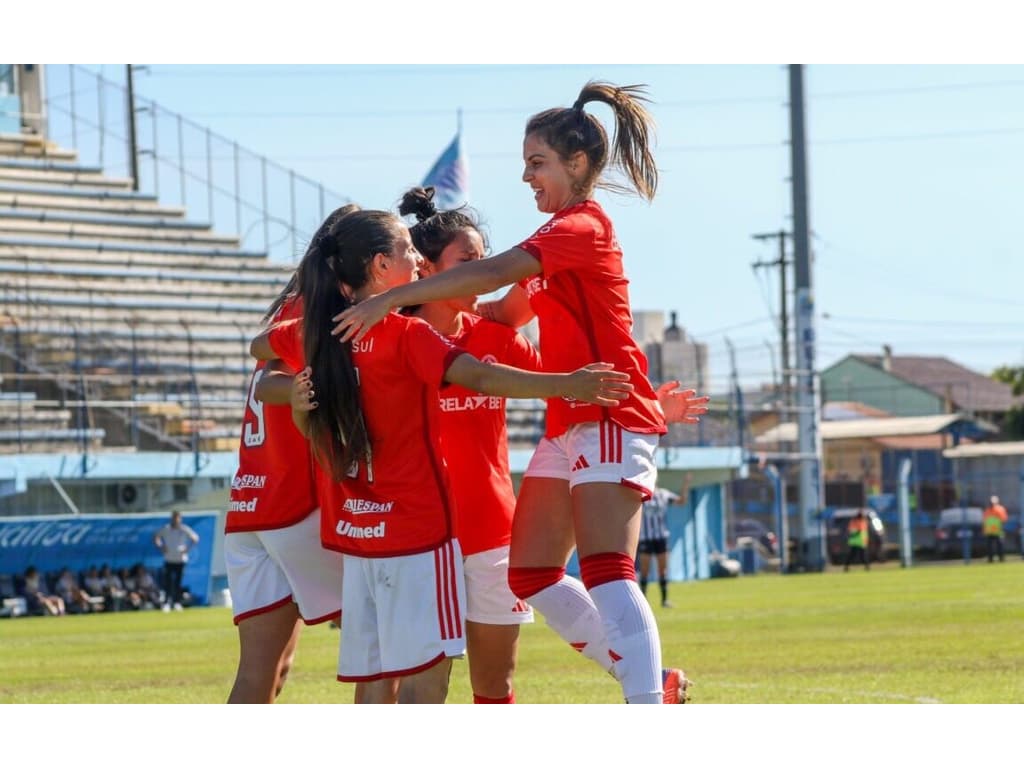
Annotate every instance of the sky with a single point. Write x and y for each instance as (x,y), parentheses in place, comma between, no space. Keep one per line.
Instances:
(915,152)
(915,176)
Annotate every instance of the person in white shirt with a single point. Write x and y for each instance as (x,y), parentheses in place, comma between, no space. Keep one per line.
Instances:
(174,540)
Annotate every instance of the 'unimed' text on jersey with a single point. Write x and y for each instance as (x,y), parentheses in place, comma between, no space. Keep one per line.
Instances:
(399,502)
(582,306)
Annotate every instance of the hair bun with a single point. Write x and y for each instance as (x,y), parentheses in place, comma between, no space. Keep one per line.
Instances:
(420,202)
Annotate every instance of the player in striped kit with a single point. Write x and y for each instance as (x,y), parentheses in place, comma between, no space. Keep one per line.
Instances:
(589,476)
(654,535)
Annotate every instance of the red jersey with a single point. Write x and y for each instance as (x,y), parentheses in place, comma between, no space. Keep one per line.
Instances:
(274,486)
(475,440)
(399,501)
(582,306)
(328,492)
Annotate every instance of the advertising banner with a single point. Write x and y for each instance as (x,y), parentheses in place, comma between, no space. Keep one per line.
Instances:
(51,543)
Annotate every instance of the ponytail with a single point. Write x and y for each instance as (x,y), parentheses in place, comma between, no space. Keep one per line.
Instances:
(341,257)
(291,290)
(573,130)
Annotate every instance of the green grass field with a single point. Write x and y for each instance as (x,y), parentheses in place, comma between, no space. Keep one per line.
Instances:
(949,634)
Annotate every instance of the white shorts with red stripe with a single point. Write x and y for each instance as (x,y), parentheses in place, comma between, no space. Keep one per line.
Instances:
(598,452)
(268,569)
(402,614)
(490,599)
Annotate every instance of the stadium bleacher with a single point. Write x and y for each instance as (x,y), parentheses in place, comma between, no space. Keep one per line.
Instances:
(122,323)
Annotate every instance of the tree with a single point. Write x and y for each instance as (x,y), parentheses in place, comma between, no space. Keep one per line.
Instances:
(1013,422)
(1012,376)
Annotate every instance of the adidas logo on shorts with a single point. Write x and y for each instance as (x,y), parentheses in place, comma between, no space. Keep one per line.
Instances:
(581,463)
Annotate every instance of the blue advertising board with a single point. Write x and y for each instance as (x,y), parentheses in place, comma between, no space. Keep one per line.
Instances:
(51,543)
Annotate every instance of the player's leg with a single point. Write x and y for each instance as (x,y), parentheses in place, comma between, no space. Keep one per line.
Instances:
(662,558)
(493,616)
(264,639)
(542,541)
(645,567)
(492,651)
(607,527)
(427,687)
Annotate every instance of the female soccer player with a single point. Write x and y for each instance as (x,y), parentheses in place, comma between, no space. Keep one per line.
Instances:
(595,466)
(376,427)
(475,443)
(278,573)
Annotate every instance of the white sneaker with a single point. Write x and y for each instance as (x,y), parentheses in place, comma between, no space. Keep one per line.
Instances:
(177,606)
(165,608)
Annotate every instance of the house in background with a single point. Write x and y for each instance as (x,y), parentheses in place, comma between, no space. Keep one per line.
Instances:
(912,385)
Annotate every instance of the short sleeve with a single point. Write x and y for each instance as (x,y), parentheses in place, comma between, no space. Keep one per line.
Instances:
(564,243)
(428,352)
(286,340)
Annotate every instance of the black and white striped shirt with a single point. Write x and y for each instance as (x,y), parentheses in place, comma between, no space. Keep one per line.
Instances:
(653,525)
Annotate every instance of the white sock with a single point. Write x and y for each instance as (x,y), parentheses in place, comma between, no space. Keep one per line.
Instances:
(569,611)
(632,636)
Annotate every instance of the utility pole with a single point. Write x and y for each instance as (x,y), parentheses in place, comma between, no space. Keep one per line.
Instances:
(808,396)
(781,263)
(133,149)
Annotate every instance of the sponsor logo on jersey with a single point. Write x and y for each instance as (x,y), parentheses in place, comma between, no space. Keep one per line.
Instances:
(364,506)
(472,403)
(242,506)
(366,345)
(535,285)
(239,482)
(345,528)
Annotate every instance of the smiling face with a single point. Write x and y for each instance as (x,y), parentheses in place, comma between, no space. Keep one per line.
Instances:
(467,245)
(555,182)
(401,265)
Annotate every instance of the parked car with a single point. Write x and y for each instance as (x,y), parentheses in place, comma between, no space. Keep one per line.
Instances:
(956,524)
(757,531)
(837,530)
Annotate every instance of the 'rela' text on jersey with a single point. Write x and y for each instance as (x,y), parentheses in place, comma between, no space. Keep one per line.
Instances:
(475,439)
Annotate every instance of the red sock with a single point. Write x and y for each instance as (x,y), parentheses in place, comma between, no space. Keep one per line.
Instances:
(526,582)
(510,698)
(603,567)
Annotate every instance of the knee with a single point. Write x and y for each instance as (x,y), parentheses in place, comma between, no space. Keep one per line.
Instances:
(526,582)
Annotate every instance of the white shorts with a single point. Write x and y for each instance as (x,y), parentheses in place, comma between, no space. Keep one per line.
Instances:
(402,614)
(268,569)
(489,598)
(598,452)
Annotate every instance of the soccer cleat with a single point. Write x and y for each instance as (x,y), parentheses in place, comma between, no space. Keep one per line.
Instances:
(676,686)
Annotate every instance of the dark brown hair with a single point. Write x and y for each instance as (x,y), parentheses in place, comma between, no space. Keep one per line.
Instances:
(434,230)
(337,430)
(290,290)
(571,130)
